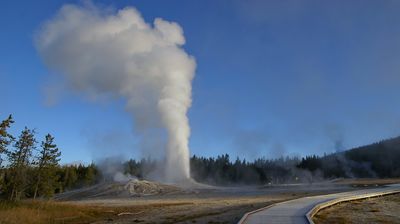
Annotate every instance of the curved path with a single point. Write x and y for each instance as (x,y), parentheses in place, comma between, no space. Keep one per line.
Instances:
(301,210)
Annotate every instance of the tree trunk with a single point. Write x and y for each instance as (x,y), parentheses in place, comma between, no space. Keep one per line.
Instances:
(36,187)
(12,194)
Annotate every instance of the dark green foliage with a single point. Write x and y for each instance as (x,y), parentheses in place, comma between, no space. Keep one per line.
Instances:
(68,178)
(222,171)
(76,176)
(376,160)
(5,138)
(311,163)
(133,168)
(19,160)
(30,175)
(46,163)
(88,174)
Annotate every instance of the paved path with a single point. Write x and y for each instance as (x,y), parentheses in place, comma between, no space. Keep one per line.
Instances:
(295,211)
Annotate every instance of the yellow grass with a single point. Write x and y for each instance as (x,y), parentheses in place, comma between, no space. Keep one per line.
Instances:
(30,212)
(374,210)
(37,212)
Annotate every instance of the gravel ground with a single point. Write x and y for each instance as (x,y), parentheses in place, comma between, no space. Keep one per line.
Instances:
(208,206)
(384,209)
(198,205)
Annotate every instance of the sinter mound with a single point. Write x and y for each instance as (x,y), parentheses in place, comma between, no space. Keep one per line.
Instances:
(144,187)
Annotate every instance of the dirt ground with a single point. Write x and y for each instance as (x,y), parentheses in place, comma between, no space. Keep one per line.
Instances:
(384,209)
(210,210)
(227,209)
(207,206)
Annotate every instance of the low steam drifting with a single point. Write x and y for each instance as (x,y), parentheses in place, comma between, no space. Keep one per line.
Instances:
(102,52)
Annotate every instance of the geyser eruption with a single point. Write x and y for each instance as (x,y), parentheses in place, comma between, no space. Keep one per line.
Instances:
(103,52)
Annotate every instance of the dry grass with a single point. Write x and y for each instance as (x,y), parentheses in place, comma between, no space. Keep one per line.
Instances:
(374,210)
(30,212)
(222,210)
(35,212)
(199,207)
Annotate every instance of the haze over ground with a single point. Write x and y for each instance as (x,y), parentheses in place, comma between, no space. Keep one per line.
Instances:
(272,78)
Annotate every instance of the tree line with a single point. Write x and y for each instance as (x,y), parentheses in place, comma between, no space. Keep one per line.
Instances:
(30,171)
(222,171)
(378,160)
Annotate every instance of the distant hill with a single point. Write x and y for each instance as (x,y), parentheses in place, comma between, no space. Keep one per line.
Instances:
(381,159)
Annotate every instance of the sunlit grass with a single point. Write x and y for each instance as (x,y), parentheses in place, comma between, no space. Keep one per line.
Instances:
(40,211)
(30,212)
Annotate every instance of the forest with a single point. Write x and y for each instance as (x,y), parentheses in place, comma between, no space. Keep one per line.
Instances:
(30,170)
(378,160)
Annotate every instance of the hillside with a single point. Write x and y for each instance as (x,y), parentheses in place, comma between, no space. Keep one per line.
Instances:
(381,159)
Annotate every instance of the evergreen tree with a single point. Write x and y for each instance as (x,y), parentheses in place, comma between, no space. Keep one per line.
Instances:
(47,162)
(69,177)
(5,138)
(90,175)
(19,161)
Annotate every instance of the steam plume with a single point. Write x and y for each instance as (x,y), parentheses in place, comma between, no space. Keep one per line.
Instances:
(102,52)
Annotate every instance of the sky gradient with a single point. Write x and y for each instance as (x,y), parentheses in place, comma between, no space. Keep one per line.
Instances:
(273,78)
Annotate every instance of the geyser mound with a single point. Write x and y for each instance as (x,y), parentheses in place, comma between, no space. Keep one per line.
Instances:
(144,187)
(100,52)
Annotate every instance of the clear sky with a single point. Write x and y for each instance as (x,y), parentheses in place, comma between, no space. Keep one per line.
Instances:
(273,78)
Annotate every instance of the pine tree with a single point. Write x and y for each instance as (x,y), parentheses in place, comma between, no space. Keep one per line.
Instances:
(70,178)
(5,138)
(90,175)
(47,162)
(19,161)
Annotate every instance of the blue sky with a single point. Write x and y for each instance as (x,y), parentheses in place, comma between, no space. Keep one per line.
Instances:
(273,78)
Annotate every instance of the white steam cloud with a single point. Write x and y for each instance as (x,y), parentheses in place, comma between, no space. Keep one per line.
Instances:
(103,52)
